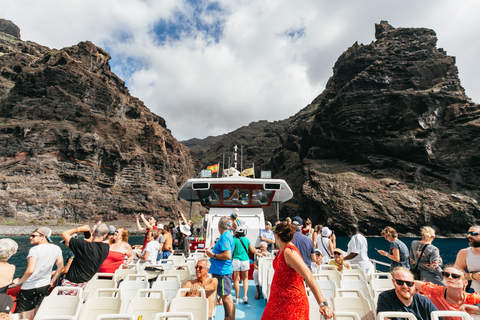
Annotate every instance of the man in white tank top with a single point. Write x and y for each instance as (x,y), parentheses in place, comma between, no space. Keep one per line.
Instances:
(469,258)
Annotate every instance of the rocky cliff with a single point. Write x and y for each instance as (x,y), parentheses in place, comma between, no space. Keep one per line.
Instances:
(74,143)
(392,140)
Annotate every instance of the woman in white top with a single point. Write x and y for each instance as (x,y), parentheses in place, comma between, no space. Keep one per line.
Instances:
(326,243)
(149,254)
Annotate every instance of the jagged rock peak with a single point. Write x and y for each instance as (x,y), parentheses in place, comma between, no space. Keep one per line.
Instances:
(8,27)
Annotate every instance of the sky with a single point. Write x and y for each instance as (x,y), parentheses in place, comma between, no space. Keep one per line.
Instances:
(210,67)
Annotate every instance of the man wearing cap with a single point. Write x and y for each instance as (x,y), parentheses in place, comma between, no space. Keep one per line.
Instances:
(37,277)
(6,306)
(338,260)
(150,223)
(111,233)
(303,243)
(267,236)
(89,256)
(318,261)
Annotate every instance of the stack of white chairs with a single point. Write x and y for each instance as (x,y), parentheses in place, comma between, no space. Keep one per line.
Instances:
(197,306)
(100,280)
(355,281)
(331,270)
(327,285)
(169,284)
(352,300)
(130,286)
(101,302)
(64,306)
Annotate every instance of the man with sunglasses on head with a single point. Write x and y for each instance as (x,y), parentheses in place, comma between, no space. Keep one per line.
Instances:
(203,282)
(36,281)
(469,258)
(403,297)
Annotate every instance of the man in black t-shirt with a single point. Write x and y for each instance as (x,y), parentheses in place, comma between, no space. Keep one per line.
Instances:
(89,256)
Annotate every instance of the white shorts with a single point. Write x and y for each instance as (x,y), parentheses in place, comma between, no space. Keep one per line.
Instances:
(240,265)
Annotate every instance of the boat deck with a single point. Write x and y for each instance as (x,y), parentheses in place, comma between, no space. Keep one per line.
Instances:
(253,310)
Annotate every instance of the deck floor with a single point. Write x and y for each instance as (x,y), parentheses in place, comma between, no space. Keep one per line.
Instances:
(253,310)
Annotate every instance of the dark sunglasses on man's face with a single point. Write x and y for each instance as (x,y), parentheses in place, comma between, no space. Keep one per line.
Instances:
(337,253)
(473,233)
(448,274)
(401,282)
(199,268)
(35,235)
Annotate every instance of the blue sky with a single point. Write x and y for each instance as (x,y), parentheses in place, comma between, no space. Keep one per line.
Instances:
(209,67)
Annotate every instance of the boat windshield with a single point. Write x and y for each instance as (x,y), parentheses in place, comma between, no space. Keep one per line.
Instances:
(235,196)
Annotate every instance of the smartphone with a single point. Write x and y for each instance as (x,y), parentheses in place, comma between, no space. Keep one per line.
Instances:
(87,234)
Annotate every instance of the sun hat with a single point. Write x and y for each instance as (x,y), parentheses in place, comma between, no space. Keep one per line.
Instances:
(47,232)
(160,226)
(339,251)
(185,229)
(240,230)
(326,232)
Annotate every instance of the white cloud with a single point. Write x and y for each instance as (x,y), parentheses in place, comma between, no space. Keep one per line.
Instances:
(227,63)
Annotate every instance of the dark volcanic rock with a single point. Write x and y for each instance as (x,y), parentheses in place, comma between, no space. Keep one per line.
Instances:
(8,27)
(75,144)
(392,140)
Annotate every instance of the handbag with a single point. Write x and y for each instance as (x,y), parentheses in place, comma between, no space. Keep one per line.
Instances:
(415,271)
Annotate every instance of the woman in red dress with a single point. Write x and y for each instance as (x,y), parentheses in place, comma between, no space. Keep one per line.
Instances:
(288,298)
(119,248)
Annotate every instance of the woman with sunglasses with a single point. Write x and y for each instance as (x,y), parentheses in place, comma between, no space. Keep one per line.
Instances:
(338,260)
(427,256)
(119,249)
(288,298)
(452,296)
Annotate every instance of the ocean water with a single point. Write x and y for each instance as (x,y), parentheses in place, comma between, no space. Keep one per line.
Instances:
(448,248)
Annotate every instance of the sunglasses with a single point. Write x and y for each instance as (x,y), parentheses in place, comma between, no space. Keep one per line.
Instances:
(35,235)
(337,253)
(199,268)
(401,282)
(473,233)
(448,274)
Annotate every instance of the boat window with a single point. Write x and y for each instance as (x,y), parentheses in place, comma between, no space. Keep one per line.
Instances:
(236,196)
(261,197)
(210,197)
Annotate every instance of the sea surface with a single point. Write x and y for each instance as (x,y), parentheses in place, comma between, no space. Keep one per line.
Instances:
(448,249)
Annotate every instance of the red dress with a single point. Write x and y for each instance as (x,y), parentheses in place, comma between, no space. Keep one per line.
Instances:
(288,298)
(113,261)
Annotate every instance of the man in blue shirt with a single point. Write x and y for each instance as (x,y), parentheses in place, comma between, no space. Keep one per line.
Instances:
(403,297)
(303,243)
(221,266)
(267,236)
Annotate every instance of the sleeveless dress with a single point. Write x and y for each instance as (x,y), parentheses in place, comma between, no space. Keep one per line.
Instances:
(288,298)
(113,261)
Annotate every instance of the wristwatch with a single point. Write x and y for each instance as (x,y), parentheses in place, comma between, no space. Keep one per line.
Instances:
(214,256)
(323,304)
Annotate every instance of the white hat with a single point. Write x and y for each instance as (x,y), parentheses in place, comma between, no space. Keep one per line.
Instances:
(326,232)
(240,229)
(185,229)
(160,226)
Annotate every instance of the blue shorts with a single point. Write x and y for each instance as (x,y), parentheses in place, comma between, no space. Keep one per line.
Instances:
(224,287)
(166,254)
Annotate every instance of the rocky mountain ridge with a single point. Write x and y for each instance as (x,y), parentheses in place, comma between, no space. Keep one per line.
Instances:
(392,140)
(75,144)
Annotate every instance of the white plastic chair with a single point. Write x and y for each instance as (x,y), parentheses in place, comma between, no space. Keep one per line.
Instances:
(327,285)
(121,274)
(182,270)
(355,269)
(169,284)
(268,284)
(174,316)
(355,281)
(102,301)
(344,315)
(167,264)
(332,271)
(345,301)
(115,317)
(109,281)
(177,258)
(396,314)
(130,286)
(263,267)
(198,306)
(146,303)
(448,313)
(60,305)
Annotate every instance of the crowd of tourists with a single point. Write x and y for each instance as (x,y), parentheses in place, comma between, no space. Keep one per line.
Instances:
(420,284)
